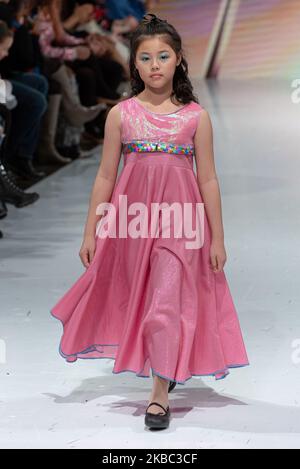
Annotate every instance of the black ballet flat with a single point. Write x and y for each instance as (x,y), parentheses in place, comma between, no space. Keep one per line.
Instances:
(172,385)
(157,420)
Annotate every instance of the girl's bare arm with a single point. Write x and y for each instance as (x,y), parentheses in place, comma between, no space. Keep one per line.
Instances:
(108,169)
(206,175)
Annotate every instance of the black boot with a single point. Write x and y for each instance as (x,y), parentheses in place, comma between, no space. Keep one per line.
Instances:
(11,193)
(24,168)
(3,209)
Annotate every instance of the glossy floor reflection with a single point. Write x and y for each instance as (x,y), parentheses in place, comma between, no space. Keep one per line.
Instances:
(48,403)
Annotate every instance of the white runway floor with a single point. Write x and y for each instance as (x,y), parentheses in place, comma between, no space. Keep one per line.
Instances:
(46,402)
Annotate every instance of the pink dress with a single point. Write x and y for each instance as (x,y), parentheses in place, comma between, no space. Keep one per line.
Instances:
(149,302)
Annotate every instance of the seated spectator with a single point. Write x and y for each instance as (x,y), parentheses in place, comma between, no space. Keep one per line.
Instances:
(92,60)
(126,14)
(84,17)
(9,191)
(24,56)
(30,90)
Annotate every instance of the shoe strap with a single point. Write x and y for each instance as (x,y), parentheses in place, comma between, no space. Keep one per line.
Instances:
(157,403)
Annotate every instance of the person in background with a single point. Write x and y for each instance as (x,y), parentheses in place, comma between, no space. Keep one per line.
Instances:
(126,14)
(10,192)
(30,90)
(90,57)
(24,56)
(80,19)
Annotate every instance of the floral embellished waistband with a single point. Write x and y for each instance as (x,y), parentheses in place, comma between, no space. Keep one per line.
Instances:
(148,146)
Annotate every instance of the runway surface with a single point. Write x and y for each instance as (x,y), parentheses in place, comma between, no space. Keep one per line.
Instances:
(48,403)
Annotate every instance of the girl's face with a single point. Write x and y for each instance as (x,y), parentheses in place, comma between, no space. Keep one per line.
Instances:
(5,45)
(154,56)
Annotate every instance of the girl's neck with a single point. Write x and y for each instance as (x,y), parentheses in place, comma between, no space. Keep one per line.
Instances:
(157,99)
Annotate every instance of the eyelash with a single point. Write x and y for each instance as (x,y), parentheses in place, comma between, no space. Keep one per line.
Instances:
(162,57)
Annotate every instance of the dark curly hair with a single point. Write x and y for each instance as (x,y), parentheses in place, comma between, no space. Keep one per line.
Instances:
(151,25)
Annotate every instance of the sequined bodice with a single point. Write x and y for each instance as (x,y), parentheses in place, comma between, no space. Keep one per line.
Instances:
(143,131)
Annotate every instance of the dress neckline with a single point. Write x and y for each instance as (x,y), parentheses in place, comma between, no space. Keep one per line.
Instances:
(159,113)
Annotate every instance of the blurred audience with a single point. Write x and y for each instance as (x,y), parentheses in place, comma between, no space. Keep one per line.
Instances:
(126,14)
(63,65)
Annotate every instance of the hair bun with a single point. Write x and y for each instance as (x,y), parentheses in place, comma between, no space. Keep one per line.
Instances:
(151,18)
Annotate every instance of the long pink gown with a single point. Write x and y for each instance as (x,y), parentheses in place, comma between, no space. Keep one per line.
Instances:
(149,302)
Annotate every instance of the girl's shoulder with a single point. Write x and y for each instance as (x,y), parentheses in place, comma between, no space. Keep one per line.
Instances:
(197,108)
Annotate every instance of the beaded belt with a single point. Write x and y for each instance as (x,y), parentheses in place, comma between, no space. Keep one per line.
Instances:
(148,146)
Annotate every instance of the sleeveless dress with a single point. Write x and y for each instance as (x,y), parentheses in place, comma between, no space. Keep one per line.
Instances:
(149,302)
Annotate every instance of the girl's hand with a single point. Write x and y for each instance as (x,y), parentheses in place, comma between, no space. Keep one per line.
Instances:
(217,255)
(87,250)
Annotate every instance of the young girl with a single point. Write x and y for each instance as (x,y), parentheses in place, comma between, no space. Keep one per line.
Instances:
(155,300)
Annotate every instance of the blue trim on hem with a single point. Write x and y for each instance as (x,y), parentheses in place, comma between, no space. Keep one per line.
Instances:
(92,348)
